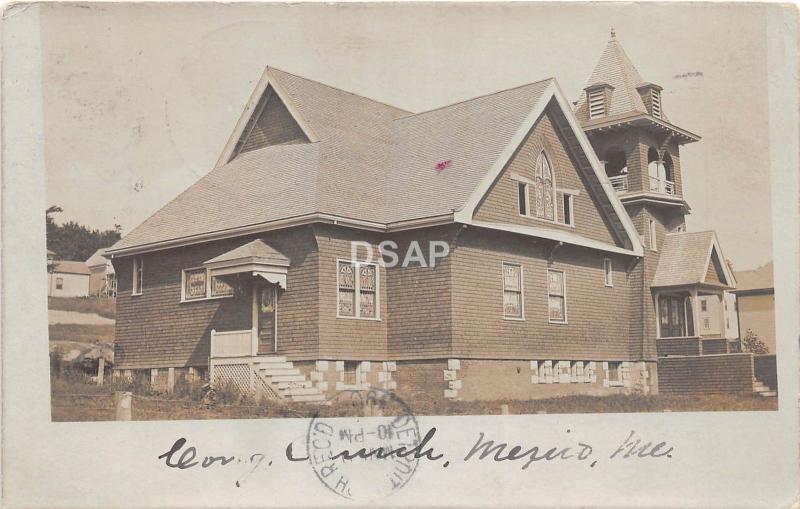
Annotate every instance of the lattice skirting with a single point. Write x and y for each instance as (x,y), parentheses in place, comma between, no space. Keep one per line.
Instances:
(237,375)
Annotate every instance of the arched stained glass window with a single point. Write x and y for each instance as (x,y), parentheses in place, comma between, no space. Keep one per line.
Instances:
(544,188)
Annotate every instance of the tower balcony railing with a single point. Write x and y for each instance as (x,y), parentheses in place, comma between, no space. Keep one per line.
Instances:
(657,185)
(663,186)
(619,183)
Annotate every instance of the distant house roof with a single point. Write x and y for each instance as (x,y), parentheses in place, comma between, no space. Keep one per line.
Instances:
(70,267)
(754,280)
(364,164)
(51,253)
(687,258)
(97,258)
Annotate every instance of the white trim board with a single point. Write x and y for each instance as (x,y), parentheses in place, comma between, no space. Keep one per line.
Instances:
(267,79)
(466,214)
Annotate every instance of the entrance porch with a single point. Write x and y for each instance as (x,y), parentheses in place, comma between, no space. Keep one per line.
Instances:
(690,322)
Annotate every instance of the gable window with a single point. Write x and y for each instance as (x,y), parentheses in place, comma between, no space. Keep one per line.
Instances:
(544,189)
(522,197)
(556,297)
(198,284)
(138,275)
(652,228)
(357,285)
(597,103)
(608,271)
(59,283)
(512,291)
(567,207)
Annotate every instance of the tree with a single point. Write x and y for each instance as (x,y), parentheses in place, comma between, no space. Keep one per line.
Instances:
(752,344)
(73,241)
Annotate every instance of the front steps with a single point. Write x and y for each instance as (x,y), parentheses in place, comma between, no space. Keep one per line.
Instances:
(763,390)
(287,381)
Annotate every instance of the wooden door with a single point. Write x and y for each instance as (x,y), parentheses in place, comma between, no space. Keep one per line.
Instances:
(267,319)
(672,316)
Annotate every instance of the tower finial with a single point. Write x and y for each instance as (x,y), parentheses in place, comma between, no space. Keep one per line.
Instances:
(613,33)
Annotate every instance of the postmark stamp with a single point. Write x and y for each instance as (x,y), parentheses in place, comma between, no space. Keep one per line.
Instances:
(364,456)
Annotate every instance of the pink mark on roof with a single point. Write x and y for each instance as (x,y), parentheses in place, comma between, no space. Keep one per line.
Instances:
(442,165)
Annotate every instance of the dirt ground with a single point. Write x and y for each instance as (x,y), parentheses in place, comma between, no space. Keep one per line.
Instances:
(78,401)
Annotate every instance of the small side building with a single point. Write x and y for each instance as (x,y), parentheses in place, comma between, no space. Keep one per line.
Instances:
(67,278)
(755,296)
(102,279)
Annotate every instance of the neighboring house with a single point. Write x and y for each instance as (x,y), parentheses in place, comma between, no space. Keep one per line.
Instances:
(67,279)
(755,296)
(102,281)
(568,267)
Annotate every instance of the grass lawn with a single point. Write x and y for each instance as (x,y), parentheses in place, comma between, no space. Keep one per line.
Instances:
(103,306)
(81,333)
(74,400)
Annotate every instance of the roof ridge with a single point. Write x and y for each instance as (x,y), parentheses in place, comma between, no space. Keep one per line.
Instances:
(496,92)
(273,68)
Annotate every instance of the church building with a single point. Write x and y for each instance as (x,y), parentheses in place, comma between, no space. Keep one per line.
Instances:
(564,265)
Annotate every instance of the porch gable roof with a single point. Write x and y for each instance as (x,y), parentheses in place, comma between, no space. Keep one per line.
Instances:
(256,251)
(685,260)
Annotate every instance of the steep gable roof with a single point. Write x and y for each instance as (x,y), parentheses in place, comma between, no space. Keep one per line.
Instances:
(615,68)
(366,162)
(467,138)
(687,258)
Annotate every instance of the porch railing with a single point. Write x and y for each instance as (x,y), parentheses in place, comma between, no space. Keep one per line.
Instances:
(619,183)
(238,343)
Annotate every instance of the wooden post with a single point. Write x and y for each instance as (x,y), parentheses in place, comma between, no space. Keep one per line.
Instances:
(170,379)
(101,369)
(722,329)
(123,403)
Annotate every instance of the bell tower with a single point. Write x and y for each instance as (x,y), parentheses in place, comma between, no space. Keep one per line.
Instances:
(624,118)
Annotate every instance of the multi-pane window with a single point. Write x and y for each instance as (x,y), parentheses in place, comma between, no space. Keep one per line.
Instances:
(597,103)
(522,197)
(614,373)
(194,284)
(512,291)
(544,189)
(357,284)
(59,283)
(199,284)
(220,287)
(556,296)
(608,271)
(138,275)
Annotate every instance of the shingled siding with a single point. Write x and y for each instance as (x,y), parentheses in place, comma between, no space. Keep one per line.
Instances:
(275,126)
(708,374)
(347,338)
(500,205)
(155,329)
(419,299)
(598,316)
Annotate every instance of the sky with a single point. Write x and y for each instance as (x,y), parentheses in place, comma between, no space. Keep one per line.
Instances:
(139,100)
